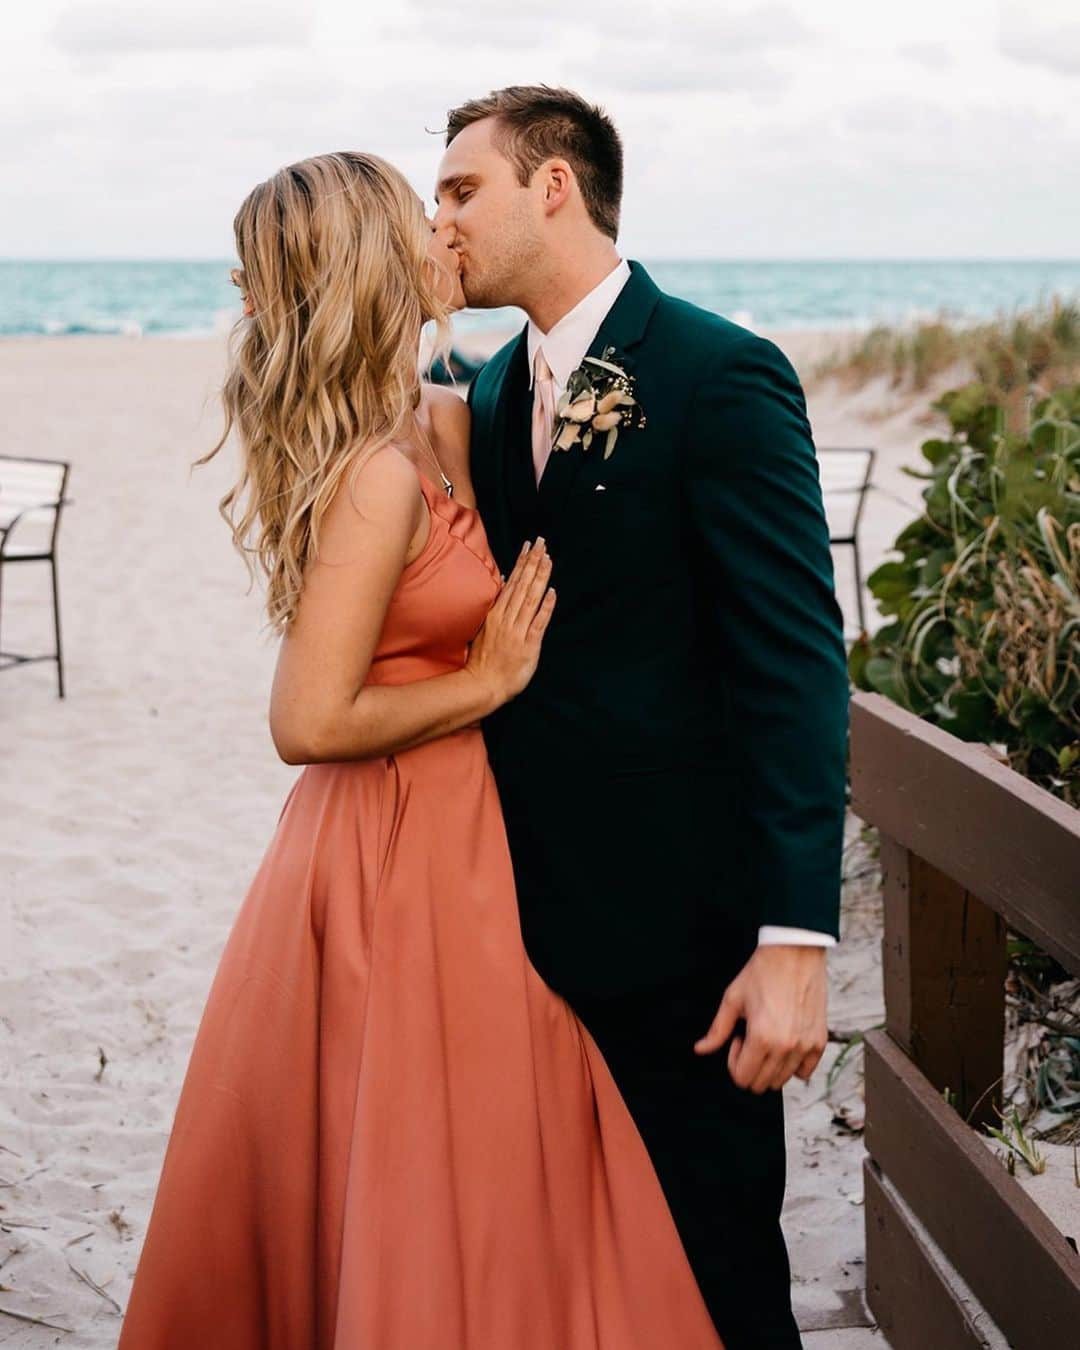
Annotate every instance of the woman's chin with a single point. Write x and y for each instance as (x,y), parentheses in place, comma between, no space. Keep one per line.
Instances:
(453,304)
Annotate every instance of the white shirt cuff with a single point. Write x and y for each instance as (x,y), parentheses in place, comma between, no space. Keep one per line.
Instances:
(803,937)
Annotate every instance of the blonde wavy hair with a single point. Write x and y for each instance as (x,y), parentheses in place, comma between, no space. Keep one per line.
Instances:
(323,367)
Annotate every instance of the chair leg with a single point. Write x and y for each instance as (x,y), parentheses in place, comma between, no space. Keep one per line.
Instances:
(56,625)
(859,602)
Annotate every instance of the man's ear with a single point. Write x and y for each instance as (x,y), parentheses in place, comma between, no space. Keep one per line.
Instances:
(558,183)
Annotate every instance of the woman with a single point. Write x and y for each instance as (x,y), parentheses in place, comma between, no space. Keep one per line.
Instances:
(392,1135)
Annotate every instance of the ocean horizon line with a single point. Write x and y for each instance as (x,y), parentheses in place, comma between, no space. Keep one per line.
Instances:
(52,297)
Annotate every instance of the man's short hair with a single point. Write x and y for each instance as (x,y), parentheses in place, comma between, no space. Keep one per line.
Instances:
(535,123)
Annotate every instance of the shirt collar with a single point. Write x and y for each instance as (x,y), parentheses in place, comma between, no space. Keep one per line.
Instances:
(567,341)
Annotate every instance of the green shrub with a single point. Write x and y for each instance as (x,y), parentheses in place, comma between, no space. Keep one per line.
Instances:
(984,601)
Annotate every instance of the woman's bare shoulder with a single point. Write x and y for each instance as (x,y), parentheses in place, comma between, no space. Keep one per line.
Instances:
(450,422)
(448,407)
(381,490)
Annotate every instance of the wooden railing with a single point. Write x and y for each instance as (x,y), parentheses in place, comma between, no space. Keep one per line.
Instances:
(969,848)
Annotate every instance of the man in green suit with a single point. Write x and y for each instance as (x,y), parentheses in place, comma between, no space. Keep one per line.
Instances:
(672,779)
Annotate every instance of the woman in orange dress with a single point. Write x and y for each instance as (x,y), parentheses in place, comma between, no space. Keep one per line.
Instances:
(392,1135)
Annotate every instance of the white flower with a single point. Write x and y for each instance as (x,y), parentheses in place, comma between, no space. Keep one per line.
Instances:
(582,409)
(597,402)
(568,436)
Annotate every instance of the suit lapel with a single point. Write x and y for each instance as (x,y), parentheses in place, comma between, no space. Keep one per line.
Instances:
(494,471)
(623,328)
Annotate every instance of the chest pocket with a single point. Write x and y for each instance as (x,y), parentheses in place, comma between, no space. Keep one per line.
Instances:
(622,520)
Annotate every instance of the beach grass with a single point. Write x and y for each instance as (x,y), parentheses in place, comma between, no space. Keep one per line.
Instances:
(1038,346)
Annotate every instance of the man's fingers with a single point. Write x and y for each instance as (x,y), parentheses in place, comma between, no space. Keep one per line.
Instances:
(723,1024)
(805,1069)
(783,1067)
(808,1064)
(749,1063)
(778,1066)
(734,1054)
(763,1079)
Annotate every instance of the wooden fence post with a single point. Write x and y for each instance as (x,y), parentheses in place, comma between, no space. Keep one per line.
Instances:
(944,966)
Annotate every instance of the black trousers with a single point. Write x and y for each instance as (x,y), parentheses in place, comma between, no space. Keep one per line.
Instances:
(718,1150)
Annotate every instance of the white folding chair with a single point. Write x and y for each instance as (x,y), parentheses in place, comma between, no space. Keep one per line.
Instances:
(32,494)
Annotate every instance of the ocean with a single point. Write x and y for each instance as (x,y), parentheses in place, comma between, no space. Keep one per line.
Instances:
(192,298)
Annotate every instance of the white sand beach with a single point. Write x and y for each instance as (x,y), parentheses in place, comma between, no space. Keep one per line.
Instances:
(134,812)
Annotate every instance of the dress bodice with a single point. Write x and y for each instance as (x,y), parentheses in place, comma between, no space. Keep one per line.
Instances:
(442,597)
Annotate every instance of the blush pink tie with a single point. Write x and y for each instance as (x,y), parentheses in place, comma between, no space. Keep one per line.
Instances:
(543,416)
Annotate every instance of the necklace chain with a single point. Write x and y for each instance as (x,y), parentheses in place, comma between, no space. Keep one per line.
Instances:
(448,486)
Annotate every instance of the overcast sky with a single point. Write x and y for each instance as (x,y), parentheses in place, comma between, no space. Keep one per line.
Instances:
(757,129)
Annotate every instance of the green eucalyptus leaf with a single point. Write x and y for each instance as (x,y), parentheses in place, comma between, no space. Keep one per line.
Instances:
(936,451)
(882,674)
(857,659)
(973,717)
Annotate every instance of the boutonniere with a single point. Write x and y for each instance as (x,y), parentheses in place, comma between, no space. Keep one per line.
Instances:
(599,401)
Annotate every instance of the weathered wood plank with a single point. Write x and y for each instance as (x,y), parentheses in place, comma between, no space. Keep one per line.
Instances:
(909,1295)
(985,826)
(1013,1258)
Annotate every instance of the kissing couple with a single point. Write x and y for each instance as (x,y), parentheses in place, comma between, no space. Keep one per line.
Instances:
(494,1053)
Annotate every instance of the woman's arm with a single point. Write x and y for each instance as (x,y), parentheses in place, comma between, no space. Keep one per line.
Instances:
(319,707)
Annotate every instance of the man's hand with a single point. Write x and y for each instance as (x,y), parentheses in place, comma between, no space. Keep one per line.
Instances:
(781,995)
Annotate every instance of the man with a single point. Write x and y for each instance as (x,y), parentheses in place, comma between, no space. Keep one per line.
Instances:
(672,779)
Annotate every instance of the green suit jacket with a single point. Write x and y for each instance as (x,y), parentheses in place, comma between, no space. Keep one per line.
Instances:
(674,774)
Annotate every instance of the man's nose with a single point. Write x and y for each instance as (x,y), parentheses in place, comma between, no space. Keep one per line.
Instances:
(442,216)
(445,231)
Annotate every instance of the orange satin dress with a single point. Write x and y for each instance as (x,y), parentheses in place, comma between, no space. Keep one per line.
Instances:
(392,1135)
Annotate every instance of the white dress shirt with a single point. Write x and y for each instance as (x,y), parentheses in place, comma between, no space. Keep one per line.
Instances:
(565,345)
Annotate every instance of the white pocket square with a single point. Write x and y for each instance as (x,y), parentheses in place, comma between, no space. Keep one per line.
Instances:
(600,487)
